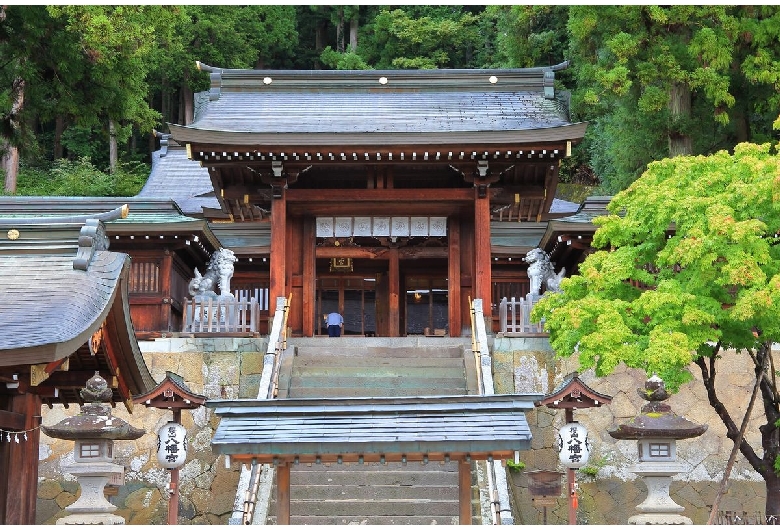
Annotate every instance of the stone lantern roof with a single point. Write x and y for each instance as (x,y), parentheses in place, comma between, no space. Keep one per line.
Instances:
(95,420)
(657,419)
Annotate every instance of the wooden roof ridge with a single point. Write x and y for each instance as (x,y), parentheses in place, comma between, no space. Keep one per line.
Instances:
(171,392)
(571,392)
(539,78)
(119,212)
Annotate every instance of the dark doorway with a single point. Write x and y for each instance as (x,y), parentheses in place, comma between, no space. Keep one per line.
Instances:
(353,297)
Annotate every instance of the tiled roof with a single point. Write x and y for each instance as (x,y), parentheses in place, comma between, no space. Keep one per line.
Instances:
(49,306)
(353,107)
(465,424)
(175,177)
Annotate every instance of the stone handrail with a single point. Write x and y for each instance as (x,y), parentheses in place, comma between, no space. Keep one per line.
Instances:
(514,317)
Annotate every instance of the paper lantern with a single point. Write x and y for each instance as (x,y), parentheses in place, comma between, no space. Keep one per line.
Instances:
(573,445)
(172,445)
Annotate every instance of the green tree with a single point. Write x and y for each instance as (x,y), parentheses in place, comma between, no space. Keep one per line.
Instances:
(420,37)
(690,268)
(700,78)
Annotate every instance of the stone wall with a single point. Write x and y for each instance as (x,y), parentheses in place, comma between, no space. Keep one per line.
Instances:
(221,368)
(609,493)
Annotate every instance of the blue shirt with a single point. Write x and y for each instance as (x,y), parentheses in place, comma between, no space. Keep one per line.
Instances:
(334,319)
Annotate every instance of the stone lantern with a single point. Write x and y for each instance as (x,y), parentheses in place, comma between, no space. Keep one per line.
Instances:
(657,430)
(94,431)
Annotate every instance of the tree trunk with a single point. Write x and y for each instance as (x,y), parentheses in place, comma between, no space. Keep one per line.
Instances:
(680,112)
(772,499)
(340,31)
(10,160)
(59,128)
(353,32)
(188,102)
(10,167)
(112,147)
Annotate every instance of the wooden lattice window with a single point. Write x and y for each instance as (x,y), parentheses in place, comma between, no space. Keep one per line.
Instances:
(145,277)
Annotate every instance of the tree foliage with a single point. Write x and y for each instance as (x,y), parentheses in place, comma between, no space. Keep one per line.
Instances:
(686,74)
(646,78)
(688,267)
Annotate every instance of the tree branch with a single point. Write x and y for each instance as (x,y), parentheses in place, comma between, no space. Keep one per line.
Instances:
(732,431)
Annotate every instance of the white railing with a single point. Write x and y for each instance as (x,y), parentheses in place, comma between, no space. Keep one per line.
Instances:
(514,318)
(255,482)
(211,315)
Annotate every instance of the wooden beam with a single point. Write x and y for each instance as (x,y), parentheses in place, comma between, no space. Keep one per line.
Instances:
(394,278)
(283,494)
(464,492)
(11,421)
(19,461)
(482,278)
(381,252)
(309,277)
(399,196)
(453,277)
(278,256)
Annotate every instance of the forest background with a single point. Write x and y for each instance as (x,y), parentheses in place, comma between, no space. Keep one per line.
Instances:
(82,88)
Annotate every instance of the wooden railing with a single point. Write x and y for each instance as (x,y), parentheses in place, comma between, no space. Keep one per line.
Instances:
(513,316)
(210,315)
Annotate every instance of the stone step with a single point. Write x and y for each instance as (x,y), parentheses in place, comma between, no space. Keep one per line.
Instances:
(372,520)
(318,392)
(371,507)
(370,372)
(378,352)
(425,384)
(376,474)
(369,492)
(355,361)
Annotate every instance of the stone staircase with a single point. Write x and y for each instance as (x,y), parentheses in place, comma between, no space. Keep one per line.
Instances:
(374,493)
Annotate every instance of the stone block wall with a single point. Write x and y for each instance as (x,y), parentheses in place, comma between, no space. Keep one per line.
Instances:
(609,493)
(219,368)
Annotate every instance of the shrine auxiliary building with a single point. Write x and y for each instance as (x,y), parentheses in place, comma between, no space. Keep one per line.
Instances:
(382,188)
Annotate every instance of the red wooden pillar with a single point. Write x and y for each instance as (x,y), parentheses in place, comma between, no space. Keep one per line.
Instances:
(19,483)
(453,277)
(166,270)
(283,493)
(464,492)
(482,275)
(309,286)
(393,299)
(278,250)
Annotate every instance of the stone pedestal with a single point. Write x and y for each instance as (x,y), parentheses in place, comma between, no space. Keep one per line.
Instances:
(658,507)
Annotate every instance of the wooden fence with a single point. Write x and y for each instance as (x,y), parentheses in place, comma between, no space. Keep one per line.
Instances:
(731,517)
(210,315)
(513,316)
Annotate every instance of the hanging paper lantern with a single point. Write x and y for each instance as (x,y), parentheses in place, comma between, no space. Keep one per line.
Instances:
(573,445)
(171,445)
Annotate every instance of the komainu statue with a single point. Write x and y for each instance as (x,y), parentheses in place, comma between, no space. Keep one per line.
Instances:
(218,273)
(542,272)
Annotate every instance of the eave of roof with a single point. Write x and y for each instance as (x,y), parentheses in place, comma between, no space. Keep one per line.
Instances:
(286,428)
(446,140)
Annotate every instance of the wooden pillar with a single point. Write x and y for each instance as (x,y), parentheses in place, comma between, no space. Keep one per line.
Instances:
(166,270)
(278,250)
(453,277)
(309,277)
(482,276)
(283,493)
(464,492)
(19,480)
(393,298)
